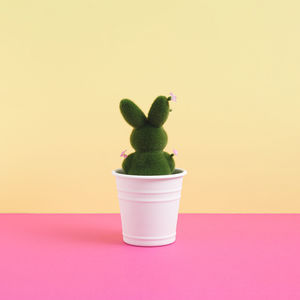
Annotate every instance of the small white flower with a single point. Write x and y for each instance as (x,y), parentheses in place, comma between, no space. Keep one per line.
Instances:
(173,97)
(123,154)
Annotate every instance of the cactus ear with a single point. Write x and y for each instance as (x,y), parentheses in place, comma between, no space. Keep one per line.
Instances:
(132,113)
(159,111)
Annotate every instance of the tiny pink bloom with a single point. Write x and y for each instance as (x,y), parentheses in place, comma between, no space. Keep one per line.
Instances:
(173,97)
(175,152)
(123,154)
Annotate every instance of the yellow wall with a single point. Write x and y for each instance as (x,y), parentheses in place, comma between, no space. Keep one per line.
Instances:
(234,66)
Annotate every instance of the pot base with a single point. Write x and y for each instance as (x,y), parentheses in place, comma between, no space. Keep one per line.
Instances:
(140,241)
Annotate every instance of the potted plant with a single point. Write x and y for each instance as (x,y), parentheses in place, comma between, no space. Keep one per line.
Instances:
(149,185)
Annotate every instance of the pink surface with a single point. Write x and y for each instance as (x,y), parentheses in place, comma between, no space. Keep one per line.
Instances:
(215,257)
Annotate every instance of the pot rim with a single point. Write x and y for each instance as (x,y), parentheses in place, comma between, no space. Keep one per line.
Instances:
(181,173)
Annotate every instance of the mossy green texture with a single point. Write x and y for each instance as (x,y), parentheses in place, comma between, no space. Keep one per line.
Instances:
(132,113)
(148,138)
(159,111)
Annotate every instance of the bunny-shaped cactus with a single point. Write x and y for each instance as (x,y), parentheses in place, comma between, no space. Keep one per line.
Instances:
(148,138)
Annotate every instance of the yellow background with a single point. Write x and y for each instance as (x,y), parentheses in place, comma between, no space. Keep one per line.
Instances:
(234,66)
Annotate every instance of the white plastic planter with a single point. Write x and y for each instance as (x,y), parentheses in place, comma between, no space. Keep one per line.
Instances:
(149,207)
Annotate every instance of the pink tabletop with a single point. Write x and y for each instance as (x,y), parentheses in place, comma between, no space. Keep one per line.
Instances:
(71,256)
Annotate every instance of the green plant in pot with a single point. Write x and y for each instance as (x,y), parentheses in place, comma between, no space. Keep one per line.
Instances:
(148,138)
(149,186)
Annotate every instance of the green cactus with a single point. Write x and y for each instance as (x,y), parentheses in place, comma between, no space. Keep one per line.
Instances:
(148,138)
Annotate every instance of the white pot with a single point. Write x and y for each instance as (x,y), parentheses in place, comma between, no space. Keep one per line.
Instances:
(149,207)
